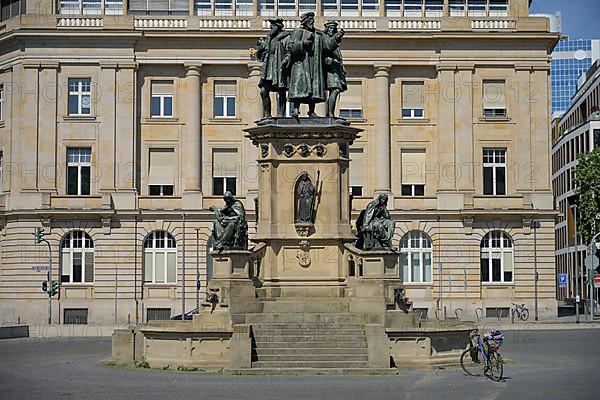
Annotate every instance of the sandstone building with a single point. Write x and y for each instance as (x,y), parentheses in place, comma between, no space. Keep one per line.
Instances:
(122,122)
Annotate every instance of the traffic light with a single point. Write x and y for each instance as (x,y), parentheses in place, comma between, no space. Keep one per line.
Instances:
(38,235)
(45,286)
(54,288)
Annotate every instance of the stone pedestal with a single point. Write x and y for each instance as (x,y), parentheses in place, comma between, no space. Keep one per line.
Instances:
(303,256)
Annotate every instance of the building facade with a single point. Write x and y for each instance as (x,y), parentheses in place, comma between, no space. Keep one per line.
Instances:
(570,59)
(577,132)
(122,122)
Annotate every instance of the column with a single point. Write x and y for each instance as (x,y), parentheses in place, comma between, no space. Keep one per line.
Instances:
(381,129)
(47,163)
(253,111)
(192,139)
(447,124)
(107,110)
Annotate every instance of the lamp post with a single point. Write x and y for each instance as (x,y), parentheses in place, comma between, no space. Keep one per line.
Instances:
(576,267)
(535,223)
(197,269)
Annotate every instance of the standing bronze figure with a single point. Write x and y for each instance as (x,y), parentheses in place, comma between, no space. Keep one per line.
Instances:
(230,228)
(374,226)
(306,82)
(305,199)
(274,72)
(334,68)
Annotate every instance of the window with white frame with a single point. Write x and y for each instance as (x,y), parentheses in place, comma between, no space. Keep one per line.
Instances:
(87,7)
(158,7)
(393,8)
(286,7)
(476,8)
(413,172)
(162,167)
(413,8)
(1,102)
(358,171)
(77,258)
(497,257)
(80,96)
(160,258)
(434,8)
(416,258)
(225,99)
(203,7)
(498,8)
(351,101)
(494,98)
(329,8)
(413,100)
(79,165)
(370,8)
(244,8)
(494,172)
(266,7)
(456,8)
(225,167)
(349,8)
(161,102)
(223,8)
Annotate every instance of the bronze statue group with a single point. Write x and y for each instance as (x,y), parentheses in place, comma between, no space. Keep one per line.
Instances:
(304,66)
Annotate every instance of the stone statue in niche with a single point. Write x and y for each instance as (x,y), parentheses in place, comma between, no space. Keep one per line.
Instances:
(230,228)
(272,52)
(374,226)
(305,199)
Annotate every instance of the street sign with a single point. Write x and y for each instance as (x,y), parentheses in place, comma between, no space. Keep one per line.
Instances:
(592,261)
(40,268)
(562,280)
(597,281)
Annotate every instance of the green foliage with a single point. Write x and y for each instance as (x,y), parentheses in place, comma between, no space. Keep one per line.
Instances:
(142,363)
(587,182)
(186,369)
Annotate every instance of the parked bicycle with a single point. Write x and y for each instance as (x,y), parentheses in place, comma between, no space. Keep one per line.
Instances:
(483,355)
(519,311)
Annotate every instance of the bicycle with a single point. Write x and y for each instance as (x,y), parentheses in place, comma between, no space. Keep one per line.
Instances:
(491,364)
(520,311)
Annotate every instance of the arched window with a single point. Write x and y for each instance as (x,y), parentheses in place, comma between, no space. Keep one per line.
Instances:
(77,258)
(160,258)
(496,257)
(415,257)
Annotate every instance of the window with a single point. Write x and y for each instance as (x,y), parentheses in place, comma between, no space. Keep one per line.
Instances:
(162,166)
(80,95)
(158,314)
(244,8)
(415,258)
(158,7)
(393,8)
(494,99)
(160,258)
(75,316)
(1,102)
(370,8)
(476,8)
(110,7)
(413,100)
(413,8)
(225,92)
(79,164)
(434,8)
(329,7)
(494,172)
(224,171)
(349,8)
(12,8)
(358,171)
(203,7)
(161,103)
(287,7)
(496,257)
(413,172)
(498,8)
(77,258)
(456,8)
(223,7)
(266,7)
(307,5)
(351,101)
(1,171)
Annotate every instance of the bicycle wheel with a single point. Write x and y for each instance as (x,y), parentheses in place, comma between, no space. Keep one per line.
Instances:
(470,362)
(524,314)
(495,367)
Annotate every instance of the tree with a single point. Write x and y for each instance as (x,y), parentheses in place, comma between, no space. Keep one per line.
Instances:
(587,183)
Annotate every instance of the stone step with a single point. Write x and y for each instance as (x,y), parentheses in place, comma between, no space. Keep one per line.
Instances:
(310,364)
(297,317)
(326,351)
(315,371)
(309,338)
(313,357)
(302,326)
(269,344)
(306,306)
(317,331)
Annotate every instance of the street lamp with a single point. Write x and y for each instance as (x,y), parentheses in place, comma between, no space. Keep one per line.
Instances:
(536,225)
(576,266)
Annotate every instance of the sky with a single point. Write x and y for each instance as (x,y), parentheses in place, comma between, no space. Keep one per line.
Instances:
(580,18)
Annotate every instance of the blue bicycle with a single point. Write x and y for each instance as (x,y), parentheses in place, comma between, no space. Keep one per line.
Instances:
(483,355)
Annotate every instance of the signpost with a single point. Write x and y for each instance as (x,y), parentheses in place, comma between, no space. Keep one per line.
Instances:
(597,281)
(562,281)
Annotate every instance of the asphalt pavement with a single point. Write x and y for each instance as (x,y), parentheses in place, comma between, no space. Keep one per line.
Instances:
(562,364)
